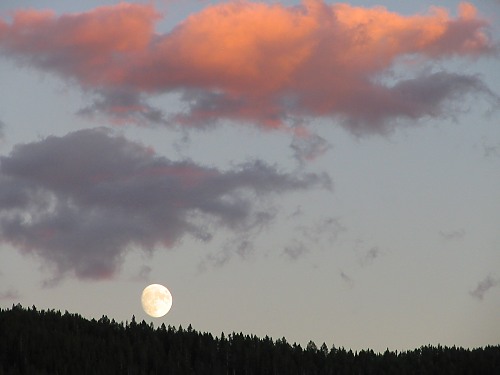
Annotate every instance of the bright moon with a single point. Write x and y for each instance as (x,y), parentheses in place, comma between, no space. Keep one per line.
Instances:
(156,300)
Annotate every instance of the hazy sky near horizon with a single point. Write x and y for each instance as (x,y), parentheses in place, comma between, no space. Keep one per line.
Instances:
(310,170)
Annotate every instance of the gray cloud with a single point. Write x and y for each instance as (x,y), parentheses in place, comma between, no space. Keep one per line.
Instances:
(9,294)
(297,213)
(375,109)
(143,274)
(347,279)
(322,231)
(124,106)
(80,201)
(327,228)
(309,147)
(491,150)
(370,256)
(242,242)
(484,286)
(426,95)
(452,234)
(295,250)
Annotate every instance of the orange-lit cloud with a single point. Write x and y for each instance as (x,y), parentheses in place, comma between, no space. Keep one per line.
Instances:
(91,47)
(255,62)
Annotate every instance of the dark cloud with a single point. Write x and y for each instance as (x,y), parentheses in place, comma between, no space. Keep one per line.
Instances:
(484,286)
(81,201)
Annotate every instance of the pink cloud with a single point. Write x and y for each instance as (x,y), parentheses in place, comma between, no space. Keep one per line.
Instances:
(254,62)
(91,47)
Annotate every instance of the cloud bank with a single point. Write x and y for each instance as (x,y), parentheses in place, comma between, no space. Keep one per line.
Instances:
(253,62)
(81,201)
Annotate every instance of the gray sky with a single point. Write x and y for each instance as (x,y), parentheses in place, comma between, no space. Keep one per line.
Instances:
(306,170)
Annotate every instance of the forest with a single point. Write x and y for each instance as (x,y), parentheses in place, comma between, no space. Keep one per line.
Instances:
(50,342)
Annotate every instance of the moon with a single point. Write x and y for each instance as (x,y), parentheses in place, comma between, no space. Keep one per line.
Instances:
(156,300)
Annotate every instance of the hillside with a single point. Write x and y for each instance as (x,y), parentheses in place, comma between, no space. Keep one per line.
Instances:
(51,342)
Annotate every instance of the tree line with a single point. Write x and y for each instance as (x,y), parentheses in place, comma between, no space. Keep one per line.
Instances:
(50,342)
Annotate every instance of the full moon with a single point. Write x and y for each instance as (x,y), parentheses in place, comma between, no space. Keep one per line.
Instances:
(156,300)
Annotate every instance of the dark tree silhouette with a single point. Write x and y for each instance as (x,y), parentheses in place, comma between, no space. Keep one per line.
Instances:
(48,342)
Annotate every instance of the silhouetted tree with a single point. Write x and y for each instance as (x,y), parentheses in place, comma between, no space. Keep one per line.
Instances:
(47,342)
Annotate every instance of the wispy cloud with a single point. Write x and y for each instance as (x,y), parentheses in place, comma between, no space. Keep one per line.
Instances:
(142,274)
(269,65)
(9,294)
(491,150)
(82,200)
(323,232)
(370,256)
(452,234)
(123,106)
(307,146)
(295,250)
(484,286)
(241,243)
(346,279)
(327,229)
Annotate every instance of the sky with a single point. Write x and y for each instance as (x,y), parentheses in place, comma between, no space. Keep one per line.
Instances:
(303,169)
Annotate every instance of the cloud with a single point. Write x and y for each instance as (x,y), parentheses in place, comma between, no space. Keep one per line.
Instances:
(9,294)
(295,250)
(122,106)
(452,235)
(327,228)
(369,257)
(242,242)
(266,64)
(307,147)
(81,201)
(491,150)
(347,279)
(484,286)
(143,274)
(317,234)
